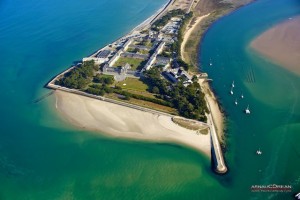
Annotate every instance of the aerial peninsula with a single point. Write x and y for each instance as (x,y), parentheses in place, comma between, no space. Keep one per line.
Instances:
(147,85)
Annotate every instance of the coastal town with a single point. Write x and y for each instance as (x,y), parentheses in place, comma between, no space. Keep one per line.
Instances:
(145,66)
(144,70)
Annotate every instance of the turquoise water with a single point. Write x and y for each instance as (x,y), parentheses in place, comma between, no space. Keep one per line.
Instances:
(43,157)
(272,93)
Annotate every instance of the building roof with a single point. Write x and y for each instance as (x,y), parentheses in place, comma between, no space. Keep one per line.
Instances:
(161,60)
(126,66)
(103,54)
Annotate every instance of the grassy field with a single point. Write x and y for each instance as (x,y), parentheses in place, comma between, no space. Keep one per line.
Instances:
(145,43)
(146,104)
(141,51)
(133,62)
(133,84)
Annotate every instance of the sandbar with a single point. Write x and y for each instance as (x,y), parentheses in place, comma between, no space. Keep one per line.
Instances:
(281,44)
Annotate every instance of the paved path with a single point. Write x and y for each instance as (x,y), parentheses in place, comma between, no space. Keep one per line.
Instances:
(218,154)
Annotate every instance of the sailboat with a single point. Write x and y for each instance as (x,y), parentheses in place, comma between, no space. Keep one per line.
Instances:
(258,152)
(247,110)
(231,91)
(232,84)
(236,103)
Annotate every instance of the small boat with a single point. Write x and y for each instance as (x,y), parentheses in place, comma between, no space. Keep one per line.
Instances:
(232,85)
(210,63)
(247,110)
(231,91)
(236,102)
(242,96)
(258,152)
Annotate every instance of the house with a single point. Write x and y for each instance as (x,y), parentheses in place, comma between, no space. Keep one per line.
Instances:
(125,68)
(163,61)
(171,76)
(134,55)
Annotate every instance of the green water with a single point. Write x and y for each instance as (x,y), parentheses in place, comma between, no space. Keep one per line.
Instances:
(43,157)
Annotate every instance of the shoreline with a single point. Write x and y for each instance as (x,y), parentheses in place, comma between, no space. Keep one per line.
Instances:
(141,26)
(118,121)
(152,18)
(188,32)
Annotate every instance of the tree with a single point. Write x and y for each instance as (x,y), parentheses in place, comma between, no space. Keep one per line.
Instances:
(155,90)
(195,79)
(126,97)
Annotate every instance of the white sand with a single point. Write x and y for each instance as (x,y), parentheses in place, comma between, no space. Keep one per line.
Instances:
(122,122)
(188,32)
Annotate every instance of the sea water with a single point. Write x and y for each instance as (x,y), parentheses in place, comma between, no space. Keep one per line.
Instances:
(43,157)
(273,96)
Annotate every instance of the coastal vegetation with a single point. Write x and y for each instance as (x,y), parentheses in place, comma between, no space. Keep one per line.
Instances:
(104,79)
(216,9)
(191,125)
(189,101)
(79,77)
(165,19)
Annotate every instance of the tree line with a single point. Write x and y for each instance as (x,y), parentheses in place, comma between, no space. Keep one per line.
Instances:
(189,101)
(79,77)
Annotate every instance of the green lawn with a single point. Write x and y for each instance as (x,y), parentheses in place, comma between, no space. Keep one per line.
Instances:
(132,84)
(146,104)
(133,62)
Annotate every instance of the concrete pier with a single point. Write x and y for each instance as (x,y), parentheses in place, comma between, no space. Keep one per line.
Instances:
(217,154)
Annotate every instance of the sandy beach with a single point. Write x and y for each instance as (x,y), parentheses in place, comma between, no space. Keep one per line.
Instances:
(122,122)
(190,29)
(281,44)
(216,113)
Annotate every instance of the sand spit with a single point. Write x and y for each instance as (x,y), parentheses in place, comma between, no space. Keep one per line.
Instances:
(216,113)
(122,122)
(191,27)
(281,44)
